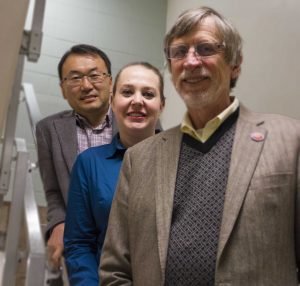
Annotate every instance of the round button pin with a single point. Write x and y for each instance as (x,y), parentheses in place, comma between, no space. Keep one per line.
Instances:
(257,136)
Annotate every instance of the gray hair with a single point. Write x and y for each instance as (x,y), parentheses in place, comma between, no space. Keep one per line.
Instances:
(227,32)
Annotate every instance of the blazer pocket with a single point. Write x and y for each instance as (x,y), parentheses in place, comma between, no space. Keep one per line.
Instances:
(271,181)
(271,195)
(269,206)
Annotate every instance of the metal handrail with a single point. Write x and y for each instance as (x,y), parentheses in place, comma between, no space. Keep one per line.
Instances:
(36,265)
(15,215)
(9,135)
(32,107)
(23,200)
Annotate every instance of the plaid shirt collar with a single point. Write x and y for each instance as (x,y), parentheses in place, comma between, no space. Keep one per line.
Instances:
(84,124)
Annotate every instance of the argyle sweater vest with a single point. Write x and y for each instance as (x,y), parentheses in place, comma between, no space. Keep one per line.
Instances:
(198,205)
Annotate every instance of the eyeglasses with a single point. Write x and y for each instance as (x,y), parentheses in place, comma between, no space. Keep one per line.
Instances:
(203,49)
(93,78)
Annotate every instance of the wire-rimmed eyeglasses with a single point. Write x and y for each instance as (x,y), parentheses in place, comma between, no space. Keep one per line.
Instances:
(93,78)
(201,49)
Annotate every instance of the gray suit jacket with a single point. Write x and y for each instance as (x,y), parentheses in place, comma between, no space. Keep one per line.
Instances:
(57,151)
(257,242)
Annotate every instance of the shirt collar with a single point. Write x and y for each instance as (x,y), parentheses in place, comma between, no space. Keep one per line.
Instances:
(83,123)
(115,148)
(211,126)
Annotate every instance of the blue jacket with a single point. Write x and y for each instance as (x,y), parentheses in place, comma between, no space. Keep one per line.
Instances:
(93,181)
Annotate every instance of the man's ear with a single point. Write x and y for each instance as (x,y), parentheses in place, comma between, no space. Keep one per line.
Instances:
(62,90)
(236,70)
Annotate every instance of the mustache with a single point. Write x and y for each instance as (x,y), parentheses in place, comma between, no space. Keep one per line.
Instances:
(84,96)
(194,74)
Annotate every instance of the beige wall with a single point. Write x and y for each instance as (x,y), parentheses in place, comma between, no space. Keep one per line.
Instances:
(13,14)
(271,68)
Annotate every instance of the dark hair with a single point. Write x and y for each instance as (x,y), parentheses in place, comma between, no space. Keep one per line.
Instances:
(147,66)
(83,49)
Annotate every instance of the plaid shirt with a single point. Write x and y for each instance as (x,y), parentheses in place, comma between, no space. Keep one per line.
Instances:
(87,136)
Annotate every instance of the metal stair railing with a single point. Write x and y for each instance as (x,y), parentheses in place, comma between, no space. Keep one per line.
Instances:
(23,202)
(14,150)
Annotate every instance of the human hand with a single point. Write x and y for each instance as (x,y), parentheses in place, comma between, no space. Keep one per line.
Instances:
(55,247)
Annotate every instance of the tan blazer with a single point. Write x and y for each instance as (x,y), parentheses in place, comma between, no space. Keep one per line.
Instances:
(257,237)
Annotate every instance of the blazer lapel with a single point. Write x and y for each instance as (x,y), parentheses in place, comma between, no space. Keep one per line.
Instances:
(167,162)
(245,154)
(66,132)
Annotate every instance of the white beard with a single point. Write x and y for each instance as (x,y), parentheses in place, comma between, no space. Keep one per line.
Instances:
(198,98)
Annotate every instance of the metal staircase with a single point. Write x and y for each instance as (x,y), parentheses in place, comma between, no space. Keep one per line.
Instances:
(16,174)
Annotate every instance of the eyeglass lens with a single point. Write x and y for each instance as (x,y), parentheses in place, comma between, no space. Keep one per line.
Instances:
(92,78)
(202,49)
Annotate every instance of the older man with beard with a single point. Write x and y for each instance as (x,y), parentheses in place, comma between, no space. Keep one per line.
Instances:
(214,201)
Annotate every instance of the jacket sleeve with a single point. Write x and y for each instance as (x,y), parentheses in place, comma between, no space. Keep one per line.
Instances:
(80,236)
(55,202)
(115,267)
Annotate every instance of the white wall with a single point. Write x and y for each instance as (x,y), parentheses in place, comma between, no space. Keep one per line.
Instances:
(271,68)
(127,30)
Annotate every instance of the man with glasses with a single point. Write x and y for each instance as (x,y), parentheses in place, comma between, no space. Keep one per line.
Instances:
(214,201)
(85,81)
